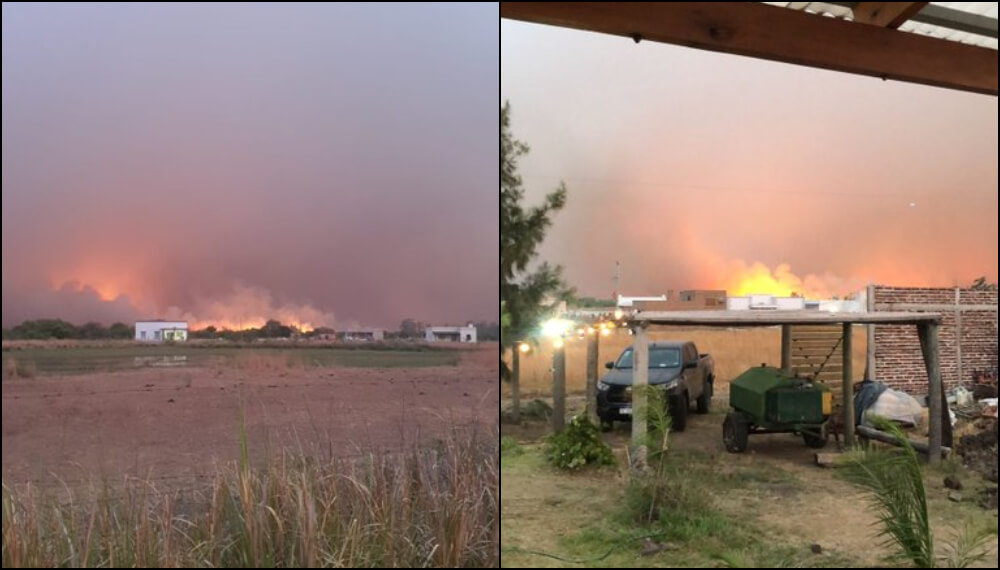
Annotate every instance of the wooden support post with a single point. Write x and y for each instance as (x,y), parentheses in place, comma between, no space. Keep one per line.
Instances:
(870,348)
(592,343)
(848,388)
(515,384)
(559,388)
(640,379)
(786,349)
(928,332)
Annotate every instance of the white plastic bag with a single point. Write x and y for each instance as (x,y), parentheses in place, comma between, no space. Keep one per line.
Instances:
(897,406)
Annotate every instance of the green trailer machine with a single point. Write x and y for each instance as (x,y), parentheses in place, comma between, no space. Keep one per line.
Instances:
(767,400)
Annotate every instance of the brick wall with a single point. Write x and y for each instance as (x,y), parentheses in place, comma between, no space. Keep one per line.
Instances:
(898,359)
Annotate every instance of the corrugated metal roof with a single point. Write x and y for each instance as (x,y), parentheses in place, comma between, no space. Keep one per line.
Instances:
(947,17)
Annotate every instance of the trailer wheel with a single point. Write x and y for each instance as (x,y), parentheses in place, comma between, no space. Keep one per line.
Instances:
(815,441)
(735,433)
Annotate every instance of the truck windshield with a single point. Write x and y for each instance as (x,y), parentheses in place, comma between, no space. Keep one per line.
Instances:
(658,358)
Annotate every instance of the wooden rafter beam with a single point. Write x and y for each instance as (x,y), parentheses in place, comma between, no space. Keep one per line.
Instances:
(779,34)
(886,14)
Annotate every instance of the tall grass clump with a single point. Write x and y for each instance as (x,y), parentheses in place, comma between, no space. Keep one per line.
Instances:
(425,507)
(658,488)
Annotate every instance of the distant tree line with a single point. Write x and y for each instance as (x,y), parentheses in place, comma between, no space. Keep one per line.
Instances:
(44,329)
(592,302)
(271,329)
(981,284)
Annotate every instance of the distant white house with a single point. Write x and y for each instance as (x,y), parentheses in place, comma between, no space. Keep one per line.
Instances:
(624,301)
(455,334)
(773,302)
(765,303)
(361,335)
(160,331)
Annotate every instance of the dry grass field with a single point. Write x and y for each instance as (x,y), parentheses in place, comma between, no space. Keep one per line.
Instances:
(734,351)
(251,458)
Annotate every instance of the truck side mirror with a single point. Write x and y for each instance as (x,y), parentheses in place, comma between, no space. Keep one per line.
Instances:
(609,365)
(690,365)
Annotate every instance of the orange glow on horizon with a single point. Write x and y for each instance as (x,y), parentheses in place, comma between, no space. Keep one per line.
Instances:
(105,290)
(247,324)
(245,308)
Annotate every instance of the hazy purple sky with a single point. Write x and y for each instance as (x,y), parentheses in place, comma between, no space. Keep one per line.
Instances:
(231,162)
(698,169)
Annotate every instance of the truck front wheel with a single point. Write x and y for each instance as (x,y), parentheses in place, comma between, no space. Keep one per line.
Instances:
(679,411)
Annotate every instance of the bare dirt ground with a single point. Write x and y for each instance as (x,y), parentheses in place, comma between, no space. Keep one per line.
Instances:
(174,425)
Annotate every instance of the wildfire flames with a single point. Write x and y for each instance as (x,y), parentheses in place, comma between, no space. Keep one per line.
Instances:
(741,278)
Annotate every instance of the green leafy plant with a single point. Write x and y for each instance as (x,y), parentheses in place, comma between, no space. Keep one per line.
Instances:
(896,491)
(579,444)
(895,487)
(509,447)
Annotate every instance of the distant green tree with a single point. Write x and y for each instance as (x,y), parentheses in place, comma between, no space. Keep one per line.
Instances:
(522,230)
(410,328)
(120,330)
(590,302)
(93,331)
(209,332)
(274,329)
(42,329)
(487,331)
(981,284)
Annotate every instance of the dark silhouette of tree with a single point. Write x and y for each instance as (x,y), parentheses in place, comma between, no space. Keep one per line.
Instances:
(981,284)
(522,291)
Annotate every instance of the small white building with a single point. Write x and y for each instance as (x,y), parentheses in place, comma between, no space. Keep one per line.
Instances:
(161,331)
(353,335)
(454,334)
(624,301)
(765,303)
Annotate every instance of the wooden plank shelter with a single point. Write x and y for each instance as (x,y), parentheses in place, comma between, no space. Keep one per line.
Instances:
(868,45)
(927,329)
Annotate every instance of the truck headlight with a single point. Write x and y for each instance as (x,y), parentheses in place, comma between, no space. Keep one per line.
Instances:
(601,386)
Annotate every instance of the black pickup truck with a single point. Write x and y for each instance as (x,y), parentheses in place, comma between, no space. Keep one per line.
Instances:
(676,366)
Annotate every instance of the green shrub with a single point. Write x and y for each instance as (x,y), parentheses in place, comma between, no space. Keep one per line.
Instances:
(537,409)
(509,446)
(578,445)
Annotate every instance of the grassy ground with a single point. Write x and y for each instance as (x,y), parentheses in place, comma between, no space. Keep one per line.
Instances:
(763,508)
(583,517)
(81,360)
(734,351)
